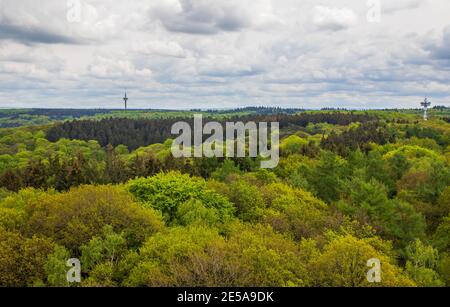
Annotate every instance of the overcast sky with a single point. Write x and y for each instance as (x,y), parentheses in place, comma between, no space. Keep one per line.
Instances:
(224,53)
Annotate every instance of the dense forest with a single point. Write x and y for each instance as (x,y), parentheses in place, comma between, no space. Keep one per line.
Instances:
(135,133)
(350,186)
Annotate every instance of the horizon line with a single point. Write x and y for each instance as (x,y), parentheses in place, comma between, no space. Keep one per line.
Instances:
(222,109)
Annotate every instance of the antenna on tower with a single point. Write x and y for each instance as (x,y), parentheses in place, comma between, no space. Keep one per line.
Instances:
(125,99)
(425,104)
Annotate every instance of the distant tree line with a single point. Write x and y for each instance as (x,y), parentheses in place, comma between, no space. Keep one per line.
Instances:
(62,174)
(359,138)
(64,113)
(135,133)
(258,110)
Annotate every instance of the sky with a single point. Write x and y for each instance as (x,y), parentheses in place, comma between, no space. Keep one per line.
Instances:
(183,54)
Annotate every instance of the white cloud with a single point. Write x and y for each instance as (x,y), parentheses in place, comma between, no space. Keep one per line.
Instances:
(390,6)
(334,19)
(223,53)
(161,48)
(112,68)
(212,16)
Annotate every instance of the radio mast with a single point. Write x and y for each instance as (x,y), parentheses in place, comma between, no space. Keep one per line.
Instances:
(125,99)
(425,104)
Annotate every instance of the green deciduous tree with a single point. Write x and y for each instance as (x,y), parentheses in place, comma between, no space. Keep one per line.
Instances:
(442,235)
(295,211)
(422,260)
(343,262)
(71,219)
(326,177)
(167,191)
(198,256)
(56,268)
(22,259)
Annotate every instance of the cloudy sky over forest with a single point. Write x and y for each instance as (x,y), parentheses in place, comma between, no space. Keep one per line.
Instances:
(224,53)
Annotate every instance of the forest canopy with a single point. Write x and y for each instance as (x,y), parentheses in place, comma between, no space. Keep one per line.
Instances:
(350,186)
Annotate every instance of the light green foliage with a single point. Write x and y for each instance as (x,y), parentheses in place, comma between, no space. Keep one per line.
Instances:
(106,248)
(422,261)
(55,267)
(413,152)
(201,257)
(292,145)
(167,191)
(101,256)
(13,214)
(194,212)
(71,219)
(246,198)
(265,176)
(343,262)
(295,211)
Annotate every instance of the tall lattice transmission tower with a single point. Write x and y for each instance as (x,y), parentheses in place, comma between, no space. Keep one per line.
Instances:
(425,104)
